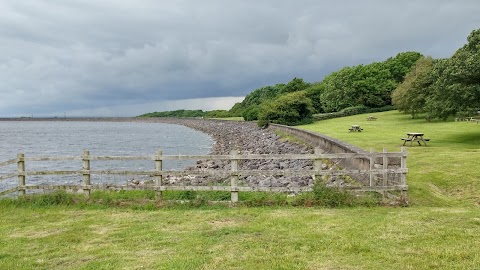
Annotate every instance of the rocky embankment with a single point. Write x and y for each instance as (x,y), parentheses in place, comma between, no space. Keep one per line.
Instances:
(246,138)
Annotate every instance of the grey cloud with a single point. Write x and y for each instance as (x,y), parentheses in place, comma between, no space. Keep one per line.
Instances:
(79,55)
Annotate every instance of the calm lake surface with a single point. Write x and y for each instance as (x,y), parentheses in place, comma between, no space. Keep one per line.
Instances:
(70,138)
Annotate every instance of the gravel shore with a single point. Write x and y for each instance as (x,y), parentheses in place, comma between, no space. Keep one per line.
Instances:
(246,138)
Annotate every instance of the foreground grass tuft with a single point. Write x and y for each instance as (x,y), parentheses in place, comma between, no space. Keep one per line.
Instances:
(146,199)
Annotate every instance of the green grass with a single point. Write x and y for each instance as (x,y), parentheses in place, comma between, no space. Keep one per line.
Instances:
(444,173)
(440,230)
(72,237)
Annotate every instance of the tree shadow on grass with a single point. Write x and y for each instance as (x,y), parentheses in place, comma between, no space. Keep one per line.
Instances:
(468,138)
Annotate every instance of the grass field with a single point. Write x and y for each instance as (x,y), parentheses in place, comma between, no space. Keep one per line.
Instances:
(445,173)
(440,230)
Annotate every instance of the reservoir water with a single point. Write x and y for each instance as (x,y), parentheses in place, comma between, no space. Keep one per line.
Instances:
(70,138)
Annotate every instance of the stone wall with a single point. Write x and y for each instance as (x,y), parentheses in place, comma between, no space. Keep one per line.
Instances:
(332,145)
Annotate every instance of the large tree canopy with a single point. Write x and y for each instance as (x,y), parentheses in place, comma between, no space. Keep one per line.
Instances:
(458,84)
(290,109)
(444,87)
(410,96)
(250,106)
(365,85)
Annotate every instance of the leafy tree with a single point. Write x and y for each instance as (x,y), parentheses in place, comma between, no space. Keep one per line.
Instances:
(401,64)
(411,95)
(295,85)
(177,113)
(251,113)
(314,93)
(457,81)
(338,90)
(237,109)
(257,97)
(373,85)
(217,114)
(290,109)
(368,85)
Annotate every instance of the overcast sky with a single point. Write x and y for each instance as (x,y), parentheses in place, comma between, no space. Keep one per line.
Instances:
(128,57)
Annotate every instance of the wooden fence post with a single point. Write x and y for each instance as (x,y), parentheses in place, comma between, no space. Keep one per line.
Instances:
(403,166)
(385,167)
(158,177)
(372,162)
(317,165)
(234,178)
(21,174)
(86,172)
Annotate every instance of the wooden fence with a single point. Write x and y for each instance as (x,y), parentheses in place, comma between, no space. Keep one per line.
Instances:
(377,175)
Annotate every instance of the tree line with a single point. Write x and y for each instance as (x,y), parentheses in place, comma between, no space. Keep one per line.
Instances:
(411,82)
(366,86)
(443,87)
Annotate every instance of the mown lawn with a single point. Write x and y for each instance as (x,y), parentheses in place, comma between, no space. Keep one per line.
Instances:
(444,173)
(60,237)
(440,230)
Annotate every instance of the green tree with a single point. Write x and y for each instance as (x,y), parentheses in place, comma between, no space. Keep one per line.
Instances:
(217,114)
(457,85)
(295,85)
(290,109)
(314,93)
(338,90)
(401,64)
(257,97)
(411,95)
(365,85)
(251,113)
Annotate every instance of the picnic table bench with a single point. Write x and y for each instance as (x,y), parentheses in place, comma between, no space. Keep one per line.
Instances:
(355,128)
(415,137)
(467,119)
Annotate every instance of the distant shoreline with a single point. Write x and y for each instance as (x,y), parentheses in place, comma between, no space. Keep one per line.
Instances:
(67,118)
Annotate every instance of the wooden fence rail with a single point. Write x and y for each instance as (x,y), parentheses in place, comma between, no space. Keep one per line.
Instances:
(157,173)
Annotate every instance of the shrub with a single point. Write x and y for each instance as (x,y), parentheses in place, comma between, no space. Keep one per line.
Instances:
(251,113)
(291,109)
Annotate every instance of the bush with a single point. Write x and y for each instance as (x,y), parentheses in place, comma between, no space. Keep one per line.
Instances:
(251,113)
(354,110)
(291,109)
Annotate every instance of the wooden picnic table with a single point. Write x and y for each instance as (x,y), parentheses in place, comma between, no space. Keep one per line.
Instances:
(415,137)
(468,119)
(355,128)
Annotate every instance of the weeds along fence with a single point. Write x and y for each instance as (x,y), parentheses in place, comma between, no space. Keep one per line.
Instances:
(382,176)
